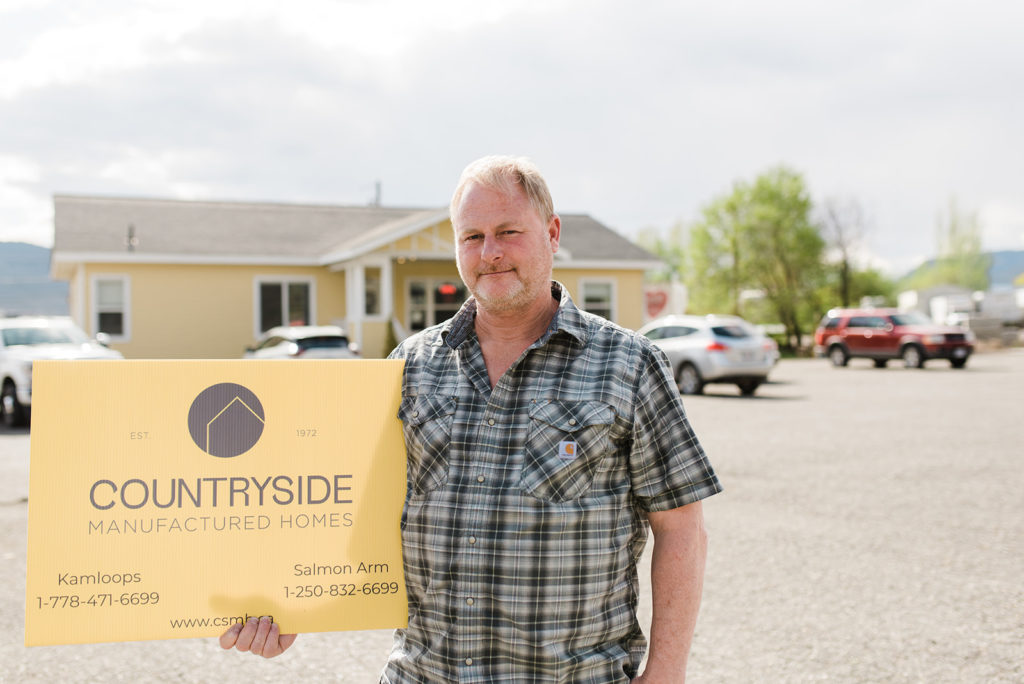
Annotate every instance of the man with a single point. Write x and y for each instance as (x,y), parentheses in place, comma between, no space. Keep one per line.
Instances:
(542,441)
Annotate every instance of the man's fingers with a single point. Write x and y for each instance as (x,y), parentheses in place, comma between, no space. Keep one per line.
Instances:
(230,636)
(260,636)
(277,643)
(245,636)
(260,639)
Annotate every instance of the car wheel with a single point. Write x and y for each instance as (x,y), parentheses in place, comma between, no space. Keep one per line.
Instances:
(958,363)
(748,387)
(912,356)
(838,356)
(13,411)
(689,380)
(880,363)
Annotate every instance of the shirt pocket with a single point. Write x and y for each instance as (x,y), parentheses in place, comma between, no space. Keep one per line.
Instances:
(565,445)
(427,426)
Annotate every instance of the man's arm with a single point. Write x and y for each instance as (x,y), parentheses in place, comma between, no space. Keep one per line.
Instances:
(677,580)
(260,637)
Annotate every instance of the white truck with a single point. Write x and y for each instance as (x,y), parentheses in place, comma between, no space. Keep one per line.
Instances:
(25,339)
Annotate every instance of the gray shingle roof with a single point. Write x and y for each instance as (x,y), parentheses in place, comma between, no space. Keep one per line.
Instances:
(99,225)
(586,239)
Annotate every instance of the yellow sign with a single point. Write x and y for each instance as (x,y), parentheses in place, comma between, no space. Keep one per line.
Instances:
(170,499)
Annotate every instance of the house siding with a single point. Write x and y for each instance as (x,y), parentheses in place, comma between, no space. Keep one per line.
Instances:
(629,291)
(186,311)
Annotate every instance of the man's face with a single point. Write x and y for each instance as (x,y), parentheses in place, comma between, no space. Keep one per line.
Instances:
(504,249)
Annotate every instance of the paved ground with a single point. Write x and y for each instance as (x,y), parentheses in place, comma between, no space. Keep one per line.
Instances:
(872,531)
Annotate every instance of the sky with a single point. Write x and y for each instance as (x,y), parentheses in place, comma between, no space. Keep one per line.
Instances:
(639,114)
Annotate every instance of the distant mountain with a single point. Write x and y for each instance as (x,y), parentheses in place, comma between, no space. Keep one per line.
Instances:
(25,284)
(1006,267)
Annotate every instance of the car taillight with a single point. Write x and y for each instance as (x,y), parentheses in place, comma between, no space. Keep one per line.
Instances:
(717,346)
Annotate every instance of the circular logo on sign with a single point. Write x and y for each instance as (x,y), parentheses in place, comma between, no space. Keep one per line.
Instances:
(226,420)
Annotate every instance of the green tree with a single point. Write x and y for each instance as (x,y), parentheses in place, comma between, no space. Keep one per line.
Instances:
(717,276)
(670,248)
(788,246)
(960,261)
(760,237)
(862,283)
(843,227)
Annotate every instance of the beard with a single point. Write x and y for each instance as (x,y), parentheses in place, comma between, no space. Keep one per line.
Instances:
(503,298)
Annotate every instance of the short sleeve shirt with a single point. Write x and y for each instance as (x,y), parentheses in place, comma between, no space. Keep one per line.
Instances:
(526,507)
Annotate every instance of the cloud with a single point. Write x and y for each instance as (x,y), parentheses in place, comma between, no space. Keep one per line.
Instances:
(1002,225)
(22,214)
(638,114)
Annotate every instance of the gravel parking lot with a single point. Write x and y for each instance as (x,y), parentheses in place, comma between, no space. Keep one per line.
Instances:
(872,530)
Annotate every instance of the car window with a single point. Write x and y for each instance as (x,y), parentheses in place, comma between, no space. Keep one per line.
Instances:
(667,331)
(830,323)
(270,342)
(867,322)
(323,342)
(64,335)
(732,330)
(911,318)
(677,331)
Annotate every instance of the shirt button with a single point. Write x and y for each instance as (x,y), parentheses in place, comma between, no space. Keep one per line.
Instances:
(470,601)
(415,414)
(469,661)
(490,421)
(472,540)
(572,421)
(479,478)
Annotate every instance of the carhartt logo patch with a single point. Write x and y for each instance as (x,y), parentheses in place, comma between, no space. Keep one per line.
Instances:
(567,450)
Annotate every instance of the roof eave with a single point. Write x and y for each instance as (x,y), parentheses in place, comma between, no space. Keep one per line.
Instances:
(347,254)
(60,257)
(610,264)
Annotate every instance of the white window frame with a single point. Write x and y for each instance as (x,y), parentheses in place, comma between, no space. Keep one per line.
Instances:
(613,308)
(260,280)
(386,297)
(429,283)
(126,304)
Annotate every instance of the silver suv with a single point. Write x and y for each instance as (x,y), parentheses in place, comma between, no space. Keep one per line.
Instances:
(25,339)
(711,348)
(303,342)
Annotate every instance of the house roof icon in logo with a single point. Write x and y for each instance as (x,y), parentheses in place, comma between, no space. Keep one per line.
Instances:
(226,420)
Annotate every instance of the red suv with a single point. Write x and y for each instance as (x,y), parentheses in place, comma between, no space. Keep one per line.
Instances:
(885,334)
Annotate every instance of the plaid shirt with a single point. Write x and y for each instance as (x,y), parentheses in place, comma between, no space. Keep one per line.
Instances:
(525,512)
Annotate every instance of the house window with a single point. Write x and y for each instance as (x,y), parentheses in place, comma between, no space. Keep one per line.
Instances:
(372,281)
(599,297)
(287,302)
(110,306)
(433,301)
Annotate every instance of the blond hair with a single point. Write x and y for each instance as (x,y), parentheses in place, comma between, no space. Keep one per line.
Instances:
(505,173)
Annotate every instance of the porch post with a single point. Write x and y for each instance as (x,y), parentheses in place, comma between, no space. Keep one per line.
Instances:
(355,302)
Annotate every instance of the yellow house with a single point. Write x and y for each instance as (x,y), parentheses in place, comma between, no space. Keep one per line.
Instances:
(183,279)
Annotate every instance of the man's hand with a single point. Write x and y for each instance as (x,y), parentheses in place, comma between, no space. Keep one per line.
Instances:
(260,637)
